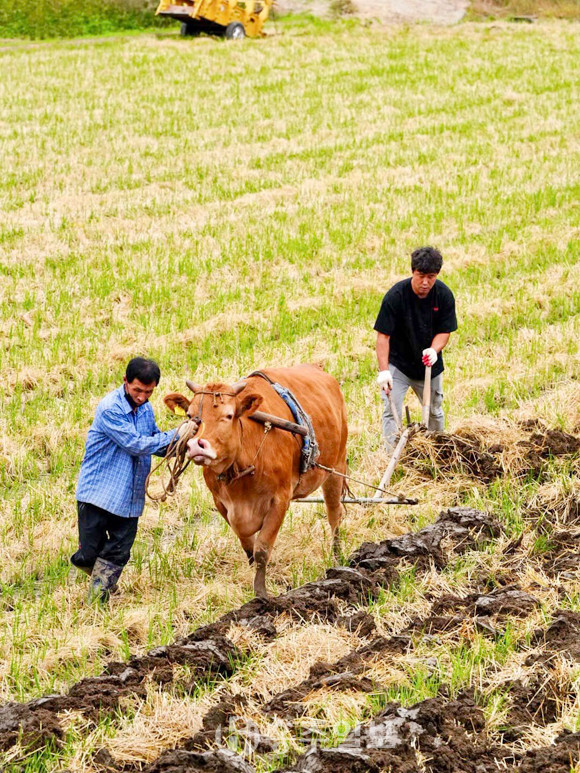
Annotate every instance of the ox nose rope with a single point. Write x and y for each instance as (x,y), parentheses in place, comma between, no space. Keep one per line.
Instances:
(175,460)
(232,473)
(175,456)
(215,396)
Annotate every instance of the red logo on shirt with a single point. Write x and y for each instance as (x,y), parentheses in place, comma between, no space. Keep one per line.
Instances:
(435,308)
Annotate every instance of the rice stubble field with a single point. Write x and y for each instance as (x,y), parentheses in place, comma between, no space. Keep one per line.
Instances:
(223,208)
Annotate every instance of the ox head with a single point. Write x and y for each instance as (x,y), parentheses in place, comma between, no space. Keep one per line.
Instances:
(220,408)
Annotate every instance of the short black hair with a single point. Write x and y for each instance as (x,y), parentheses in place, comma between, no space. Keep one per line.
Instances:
(147,371)
(426,260)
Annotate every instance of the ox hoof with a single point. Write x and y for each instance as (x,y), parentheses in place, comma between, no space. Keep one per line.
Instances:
(260,590)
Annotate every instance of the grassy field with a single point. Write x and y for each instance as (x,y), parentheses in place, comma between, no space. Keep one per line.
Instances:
(225,207)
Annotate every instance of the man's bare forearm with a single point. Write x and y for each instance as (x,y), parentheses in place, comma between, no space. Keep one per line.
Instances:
(383,347)
(440,342)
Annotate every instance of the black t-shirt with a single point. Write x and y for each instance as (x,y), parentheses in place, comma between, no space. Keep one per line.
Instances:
(413,322)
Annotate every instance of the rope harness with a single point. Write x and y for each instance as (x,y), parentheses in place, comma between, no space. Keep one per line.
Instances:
(215,396)
(176,451)
(309,452)
(175,455)
(233,472)
(174,459)
(350,477)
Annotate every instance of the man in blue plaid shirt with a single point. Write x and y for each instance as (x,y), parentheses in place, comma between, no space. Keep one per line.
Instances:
(111,487)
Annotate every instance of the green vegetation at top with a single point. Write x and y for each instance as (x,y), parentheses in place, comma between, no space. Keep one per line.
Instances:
(78,18)
(74,18)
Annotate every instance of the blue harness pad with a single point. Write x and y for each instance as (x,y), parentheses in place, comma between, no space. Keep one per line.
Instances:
(310,451)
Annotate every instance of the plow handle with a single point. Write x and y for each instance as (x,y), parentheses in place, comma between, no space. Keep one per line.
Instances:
(426,396)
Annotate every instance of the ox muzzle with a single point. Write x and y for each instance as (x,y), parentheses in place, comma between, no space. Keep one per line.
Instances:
(199,450)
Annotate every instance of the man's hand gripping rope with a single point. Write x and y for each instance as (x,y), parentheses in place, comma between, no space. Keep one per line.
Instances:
(175,459)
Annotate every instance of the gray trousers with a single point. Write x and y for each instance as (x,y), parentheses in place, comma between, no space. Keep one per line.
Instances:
(401,384)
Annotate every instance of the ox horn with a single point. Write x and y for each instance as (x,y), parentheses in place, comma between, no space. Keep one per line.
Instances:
(239,386)
(194,387)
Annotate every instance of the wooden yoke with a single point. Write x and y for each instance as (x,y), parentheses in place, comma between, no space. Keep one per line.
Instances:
(276,421)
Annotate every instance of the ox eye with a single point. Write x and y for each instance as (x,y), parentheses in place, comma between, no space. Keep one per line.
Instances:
(229,416)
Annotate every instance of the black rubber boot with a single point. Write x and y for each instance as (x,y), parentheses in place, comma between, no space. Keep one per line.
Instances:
(79,561)
(104,579)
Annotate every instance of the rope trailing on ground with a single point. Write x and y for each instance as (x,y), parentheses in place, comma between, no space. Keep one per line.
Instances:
(174,459)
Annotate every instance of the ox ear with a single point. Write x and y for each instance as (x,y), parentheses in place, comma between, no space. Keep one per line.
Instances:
(177,403)
(248,404)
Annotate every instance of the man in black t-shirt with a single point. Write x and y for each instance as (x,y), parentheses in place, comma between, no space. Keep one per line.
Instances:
(416,318)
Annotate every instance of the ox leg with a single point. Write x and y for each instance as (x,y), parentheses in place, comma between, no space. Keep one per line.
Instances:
(248,545)
(247,542)
(246,522)
(264,544)
(221,508)
(332,489)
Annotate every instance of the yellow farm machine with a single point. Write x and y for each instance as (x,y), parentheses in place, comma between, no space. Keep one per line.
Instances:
(233,19)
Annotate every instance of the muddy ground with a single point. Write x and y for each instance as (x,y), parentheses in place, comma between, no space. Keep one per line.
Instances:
(208,651)
(447,733)
(467,455)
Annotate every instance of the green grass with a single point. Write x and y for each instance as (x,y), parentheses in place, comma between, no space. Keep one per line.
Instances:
(69,19)
(222,208)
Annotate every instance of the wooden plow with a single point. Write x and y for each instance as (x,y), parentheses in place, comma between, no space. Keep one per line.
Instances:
(381,497)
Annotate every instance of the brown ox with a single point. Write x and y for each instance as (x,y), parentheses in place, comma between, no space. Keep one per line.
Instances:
(254,505)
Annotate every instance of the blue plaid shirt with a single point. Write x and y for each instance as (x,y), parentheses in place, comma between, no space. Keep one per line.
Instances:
(117,456)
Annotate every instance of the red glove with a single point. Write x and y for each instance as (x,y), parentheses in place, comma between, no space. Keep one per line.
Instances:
(429,357)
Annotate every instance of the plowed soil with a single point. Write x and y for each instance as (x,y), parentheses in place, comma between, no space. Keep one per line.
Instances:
(208,651)
(525,453)
(437,735)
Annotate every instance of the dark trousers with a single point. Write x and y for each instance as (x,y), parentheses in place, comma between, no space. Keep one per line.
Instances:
(103,535)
